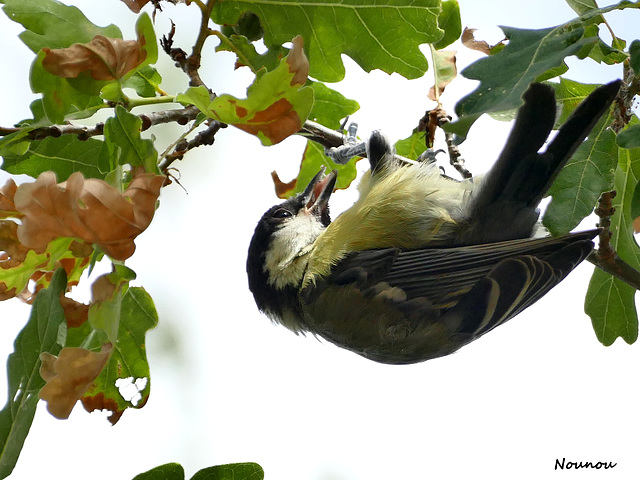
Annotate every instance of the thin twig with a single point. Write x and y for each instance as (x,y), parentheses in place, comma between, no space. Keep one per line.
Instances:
(205,137)
(8,130)
(190,64)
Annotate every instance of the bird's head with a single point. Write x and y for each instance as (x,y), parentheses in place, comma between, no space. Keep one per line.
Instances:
(278,251)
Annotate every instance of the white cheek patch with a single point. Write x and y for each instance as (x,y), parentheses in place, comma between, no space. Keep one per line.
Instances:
(286,261)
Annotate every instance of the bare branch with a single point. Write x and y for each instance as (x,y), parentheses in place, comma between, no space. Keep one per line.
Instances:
(181,116)
(8,130)
(190,64)
(618,268)
(605,257)
(455,157)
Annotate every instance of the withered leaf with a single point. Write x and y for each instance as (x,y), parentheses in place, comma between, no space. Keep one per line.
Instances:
(469,41)
(445,66)
(298,62)
(75,313)
(7,207)
(91,210)
(282,188)
(104,58)
(69,376)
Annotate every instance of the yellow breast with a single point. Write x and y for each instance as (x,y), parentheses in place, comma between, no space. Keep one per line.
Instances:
(410,207)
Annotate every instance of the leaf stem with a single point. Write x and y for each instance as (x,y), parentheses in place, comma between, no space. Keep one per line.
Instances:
(138,102)
(436,92)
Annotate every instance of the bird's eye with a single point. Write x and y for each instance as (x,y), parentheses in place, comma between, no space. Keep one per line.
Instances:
(281,213)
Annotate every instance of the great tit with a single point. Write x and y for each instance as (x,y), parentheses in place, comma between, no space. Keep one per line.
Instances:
(423,264)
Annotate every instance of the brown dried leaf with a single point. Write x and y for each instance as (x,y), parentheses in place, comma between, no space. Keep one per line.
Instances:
(91,210)
(69,376)
(75,313)
(298,62)
(469,41)
(636,225)
(7,207)
(104,58)
(135,5)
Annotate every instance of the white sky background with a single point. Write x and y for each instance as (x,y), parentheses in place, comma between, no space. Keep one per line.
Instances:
(228,386)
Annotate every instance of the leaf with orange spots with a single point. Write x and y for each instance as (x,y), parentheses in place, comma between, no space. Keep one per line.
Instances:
(20,264)
(88,209)
(277,104)
(69,376)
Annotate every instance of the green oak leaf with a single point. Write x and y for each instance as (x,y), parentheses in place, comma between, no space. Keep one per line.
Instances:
(248,56)
(147,39)
(569,94)
(412,146)
(313,159)
(124,143)
(145,81)
(530,55)
(611,302)
(128,362)
(629,137)
(449,21)
(63,155)
(382,34)
(15,144)
(634,56)
(231,471)
(53,24)
(168,471)
(582,6)
(107,292)
(506,75)
(635,202)
(44,332)
(330,106)
(60,98)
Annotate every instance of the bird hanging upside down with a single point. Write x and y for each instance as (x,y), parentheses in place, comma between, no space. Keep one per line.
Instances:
(422,264)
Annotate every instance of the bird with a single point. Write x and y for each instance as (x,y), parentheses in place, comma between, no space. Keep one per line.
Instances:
(423,264)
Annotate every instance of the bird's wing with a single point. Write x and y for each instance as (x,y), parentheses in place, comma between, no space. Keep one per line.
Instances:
(399,306)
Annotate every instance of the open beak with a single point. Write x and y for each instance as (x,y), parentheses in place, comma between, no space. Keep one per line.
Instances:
(318,191)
